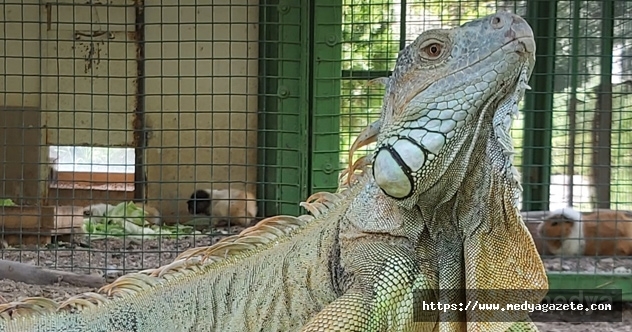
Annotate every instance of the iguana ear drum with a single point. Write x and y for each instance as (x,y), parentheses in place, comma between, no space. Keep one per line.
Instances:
(393,167)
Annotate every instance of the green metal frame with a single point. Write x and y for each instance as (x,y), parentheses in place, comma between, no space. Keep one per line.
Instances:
(325,116)
(561,282)
(283,107)
(298,119)
(603,156)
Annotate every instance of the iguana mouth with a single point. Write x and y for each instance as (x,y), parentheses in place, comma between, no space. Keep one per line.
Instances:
(527,43)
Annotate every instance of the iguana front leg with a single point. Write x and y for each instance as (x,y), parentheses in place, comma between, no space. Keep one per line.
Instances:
(384,296)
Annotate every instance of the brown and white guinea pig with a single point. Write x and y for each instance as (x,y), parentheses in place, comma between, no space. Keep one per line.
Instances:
(151,214)
(540,245)
(236,206)
(602,232)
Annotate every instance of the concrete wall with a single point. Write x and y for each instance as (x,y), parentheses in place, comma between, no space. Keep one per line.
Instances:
(201,96)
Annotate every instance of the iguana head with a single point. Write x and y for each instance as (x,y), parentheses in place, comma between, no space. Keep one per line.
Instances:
(446,86)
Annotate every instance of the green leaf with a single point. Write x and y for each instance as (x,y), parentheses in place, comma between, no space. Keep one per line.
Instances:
(6,202)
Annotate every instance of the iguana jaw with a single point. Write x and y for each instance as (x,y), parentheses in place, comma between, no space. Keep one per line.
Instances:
(451,100)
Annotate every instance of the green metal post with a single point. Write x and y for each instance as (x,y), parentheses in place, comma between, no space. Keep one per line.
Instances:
(326,64)
(283,115)
(536,168)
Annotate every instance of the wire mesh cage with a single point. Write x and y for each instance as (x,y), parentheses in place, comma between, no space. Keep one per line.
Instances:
(572,141)
(129,131)
(134,130)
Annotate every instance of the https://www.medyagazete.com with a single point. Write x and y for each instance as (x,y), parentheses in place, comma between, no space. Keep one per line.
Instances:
(575,305)
(530,307)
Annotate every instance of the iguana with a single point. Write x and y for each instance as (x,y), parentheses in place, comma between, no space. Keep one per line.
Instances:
(434,213)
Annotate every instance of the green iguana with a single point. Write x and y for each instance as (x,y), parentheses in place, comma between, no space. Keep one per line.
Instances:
(433,209)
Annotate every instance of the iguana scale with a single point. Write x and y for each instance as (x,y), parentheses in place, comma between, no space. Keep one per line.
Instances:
(428,214)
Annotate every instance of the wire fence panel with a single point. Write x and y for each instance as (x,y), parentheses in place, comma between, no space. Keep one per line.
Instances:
(590,144)
(572,140)
(134,130)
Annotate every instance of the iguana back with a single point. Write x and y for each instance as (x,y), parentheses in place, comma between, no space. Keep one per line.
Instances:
(272,277)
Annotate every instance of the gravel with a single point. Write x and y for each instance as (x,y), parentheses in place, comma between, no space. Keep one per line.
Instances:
(590,265)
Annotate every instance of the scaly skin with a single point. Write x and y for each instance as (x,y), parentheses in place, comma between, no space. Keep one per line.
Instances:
(458,171)
(357,261)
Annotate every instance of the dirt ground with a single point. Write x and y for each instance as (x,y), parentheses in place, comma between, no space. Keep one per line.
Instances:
(114,257)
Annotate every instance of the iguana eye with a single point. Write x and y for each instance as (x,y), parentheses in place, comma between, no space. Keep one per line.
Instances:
(433,50)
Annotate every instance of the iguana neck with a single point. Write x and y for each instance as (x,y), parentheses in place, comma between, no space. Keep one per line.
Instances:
(481,182)
(489,177)
(491,184)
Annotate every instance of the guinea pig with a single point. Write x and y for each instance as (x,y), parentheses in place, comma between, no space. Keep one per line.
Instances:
(151,214)
(602,232)
(540,245)
(234,206)
(97,210)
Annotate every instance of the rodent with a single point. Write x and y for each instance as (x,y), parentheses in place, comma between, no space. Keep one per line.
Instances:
(537,239)
(152,214)
(234,206)
(602,232)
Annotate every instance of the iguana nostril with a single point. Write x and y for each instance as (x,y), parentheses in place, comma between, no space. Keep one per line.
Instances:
(497,22)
